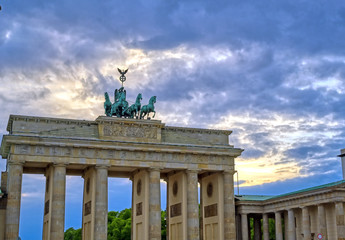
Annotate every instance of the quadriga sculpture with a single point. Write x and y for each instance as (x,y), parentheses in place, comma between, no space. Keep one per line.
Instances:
(120,106)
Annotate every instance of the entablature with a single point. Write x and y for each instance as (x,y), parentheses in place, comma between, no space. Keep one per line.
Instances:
(120,129)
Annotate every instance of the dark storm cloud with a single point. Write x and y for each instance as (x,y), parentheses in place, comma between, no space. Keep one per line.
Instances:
(303,152)
(297,25)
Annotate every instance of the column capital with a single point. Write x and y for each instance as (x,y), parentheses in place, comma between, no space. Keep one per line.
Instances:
(304,207)
(157,169)
(231,172)
(102,166)
(192,171)
(12,162)
(58,164)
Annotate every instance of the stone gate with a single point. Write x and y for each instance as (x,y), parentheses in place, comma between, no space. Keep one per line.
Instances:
(145,151)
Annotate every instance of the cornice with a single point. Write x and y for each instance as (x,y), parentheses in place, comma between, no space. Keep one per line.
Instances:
(13,118)
(129,122)
(292,197)
(197,130)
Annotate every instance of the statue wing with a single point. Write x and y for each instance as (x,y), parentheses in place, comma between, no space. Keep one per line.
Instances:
(125,71)
(119,70)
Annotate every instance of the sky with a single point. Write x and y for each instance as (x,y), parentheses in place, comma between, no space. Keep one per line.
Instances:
(271,71)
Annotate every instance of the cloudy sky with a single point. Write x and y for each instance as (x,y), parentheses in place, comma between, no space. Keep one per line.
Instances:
(271,71)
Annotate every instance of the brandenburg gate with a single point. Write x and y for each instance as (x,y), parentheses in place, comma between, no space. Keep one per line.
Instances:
(145,151)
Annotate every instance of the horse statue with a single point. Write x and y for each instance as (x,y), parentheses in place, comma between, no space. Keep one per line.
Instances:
(120,102)
(134,109)
(146,109)
(107,105)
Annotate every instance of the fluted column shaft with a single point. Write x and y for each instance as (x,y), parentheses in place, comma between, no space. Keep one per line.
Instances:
(244,224)
(291,225)
(305,223)
(321,220)
(192,205)
(14,189)
(278,226)
(229,207)
(257,228)
(265,226)
(57,225)
(101,204)
(167,214)
(340,220)
(154,205)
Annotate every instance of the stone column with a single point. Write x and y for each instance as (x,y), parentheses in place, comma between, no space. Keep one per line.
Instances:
(278,225)
(132,204)
(154,205)
(265,226)
(192,206)
(244,224)
(101,203)
(57,224)
(291,225)
(286,225)
(306,223)
(321,220)
(257,228)
(14,189)
(340,220)
(201,230)
(167,209)
(238,227)
(229,207)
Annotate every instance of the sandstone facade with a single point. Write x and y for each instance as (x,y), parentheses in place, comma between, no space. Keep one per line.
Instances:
(145,151)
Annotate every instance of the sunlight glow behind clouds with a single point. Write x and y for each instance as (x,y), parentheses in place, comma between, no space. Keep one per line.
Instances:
(277,134)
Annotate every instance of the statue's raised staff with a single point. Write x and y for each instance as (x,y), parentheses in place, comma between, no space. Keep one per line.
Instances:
(146,109)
